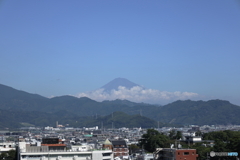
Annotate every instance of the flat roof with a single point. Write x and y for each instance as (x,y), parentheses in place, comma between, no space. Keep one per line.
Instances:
(53,145)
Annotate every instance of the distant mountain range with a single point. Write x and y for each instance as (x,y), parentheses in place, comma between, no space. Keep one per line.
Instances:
(16,119)
(19,106)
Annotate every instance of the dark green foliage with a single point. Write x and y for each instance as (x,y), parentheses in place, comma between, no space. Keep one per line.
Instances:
(18,100)
(179,112)
(225,141)
(200,112)
(220,135)
(13,119)
(172,134)
(119,119)
(219,146)
(198,133)
(178,135)
(133,148)
(234,143)
(202,151)
(153,139)
(9,155)
(175,135)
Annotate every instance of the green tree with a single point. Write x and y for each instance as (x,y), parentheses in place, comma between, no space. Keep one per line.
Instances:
(202,150)
(219,146)
(133,148)
(198,133)
(10,155)
(153,139)
(219,135)
(178,135)
(173,134)
(224,141)
(234,143)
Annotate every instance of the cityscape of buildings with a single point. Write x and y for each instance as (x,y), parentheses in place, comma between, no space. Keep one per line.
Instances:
(68,143)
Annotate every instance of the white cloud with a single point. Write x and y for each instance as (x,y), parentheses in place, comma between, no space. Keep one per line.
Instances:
(139,94)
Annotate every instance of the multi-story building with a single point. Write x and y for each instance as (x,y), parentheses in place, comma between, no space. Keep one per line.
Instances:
(175,154)
(7,146)
(51,150)
(119,147)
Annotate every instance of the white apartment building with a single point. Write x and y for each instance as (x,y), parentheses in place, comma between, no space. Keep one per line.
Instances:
(39,152)
(7,146)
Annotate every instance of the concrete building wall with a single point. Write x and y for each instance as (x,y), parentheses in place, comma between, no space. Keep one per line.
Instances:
(188,154)
(175,154)
(94,155)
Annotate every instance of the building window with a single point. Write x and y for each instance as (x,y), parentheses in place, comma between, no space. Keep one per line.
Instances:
(186,153)
(106,154)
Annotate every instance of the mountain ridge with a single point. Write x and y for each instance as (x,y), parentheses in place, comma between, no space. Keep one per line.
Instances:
(178,112)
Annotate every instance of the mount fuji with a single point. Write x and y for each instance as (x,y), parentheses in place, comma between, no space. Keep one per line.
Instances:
(117,82)
(121,88)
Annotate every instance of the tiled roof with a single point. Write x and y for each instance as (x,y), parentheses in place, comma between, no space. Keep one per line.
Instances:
(119,142)
(107,142)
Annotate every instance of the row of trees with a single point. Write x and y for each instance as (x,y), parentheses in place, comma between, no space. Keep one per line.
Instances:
(154,139)
(224,141)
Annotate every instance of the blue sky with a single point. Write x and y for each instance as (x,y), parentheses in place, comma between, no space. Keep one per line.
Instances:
(59,47)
